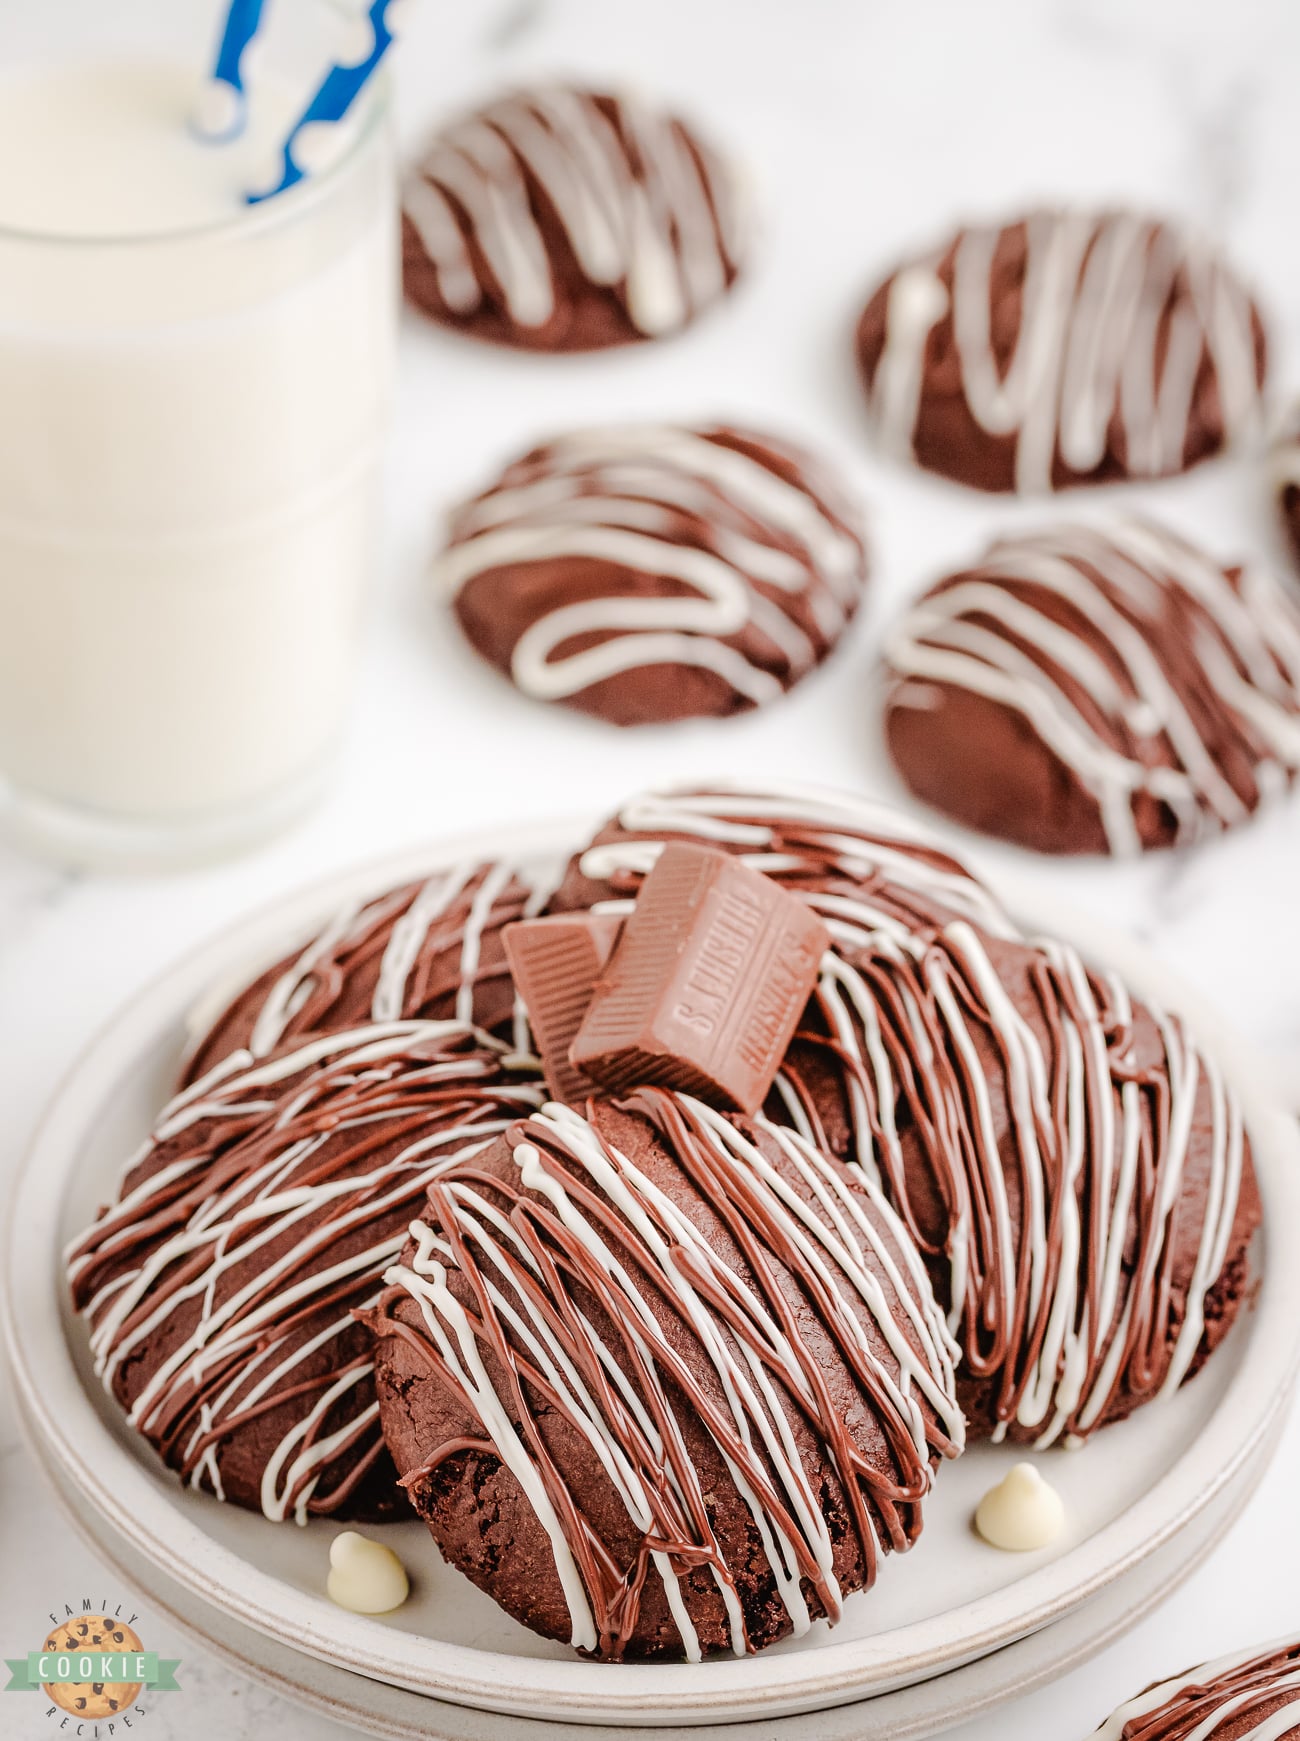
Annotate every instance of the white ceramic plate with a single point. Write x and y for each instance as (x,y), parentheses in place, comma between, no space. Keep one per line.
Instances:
(948,1602)
(904,1715)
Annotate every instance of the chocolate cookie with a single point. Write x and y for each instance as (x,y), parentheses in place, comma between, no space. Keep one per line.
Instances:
(999,1090)
(1286,479)
(1074,1167)
(1249,1696)
(563,219)
(651,573)
(431,949)
(218,1286)
(868,870)
(1083,690)
(663,1382)
(1062,348)
(876,878)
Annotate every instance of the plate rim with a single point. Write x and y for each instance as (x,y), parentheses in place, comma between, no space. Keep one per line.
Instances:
(847,1671)
(913,1727)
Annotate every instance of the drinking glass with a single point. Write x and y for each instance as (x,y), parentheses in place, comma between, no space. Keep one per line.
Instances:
(193,424)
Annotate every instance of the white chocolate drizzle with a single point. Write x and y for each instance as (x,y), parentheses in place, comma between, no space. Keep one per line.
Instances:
(647,212)
(397,953)
(1118,316)
(1178,666)
(1052,1120)
(758,559)
(501,1270)
(1252,1693)
(263,1209)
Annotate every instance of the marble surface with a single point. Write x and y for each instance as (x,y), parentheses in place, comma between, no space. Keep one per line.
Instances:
(866,127)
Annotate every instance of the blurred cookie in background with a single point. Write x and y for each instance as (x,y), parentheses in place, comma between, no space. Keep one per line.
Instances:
(648,572)
(1097,690)
(563,219)
(1062,348)
(1286,477)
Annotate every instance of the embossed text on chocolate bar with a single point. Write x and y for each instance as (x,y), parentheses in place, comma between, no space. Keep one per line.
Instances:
(707,983)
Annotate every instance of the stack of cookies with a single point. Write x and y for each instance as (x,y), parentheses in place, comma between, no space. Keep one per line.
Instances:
(658,1236)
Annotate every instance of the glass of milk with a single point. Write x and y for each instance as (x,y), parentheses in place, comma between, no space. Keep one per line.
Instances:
(194,395)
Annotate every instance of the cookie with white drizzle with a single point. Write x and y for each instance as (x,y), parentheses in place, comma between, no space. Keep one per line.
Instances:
(1075,1168)
(1285,471)
(559,218)
(430,949)
(219,1285)
(1072,1165)
(663,1382)
(878,879)
(1097,689)
(1251,1695)
(839,850)
(1060,348)
(649,573)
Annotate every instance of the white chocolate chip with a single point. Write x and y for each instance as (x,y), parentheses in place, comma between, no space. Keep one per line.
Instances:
(365,1576)
(1021,1513)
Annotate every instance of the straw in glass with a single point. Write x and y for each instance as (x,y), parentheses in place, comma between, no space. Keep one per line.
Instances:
(312,137)
(222,108)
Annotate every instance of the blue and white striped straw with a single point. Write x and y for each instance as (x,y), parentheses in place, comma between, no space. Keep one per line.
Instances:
(311,136)
(222,107)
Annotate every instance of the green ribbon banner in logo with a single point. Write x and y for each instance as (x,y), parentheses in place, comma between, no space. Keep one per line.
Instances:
(81,1667)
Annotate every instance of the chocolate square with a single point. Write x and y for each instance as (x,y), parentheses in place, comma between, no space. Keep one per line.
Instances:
(555,963)
(706,985)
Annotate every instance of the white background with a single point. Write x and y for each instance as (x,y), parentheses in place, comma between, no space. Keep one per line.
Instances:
(865,128)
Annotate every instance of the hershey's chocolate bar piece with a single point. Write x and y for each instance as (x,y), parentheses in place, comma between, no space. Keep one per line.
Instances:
(555,963)
(707,983)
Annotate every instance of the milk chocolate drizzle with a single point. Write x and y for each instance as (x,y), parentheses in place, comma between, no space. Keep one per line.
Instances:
(581,1289)
(264,1207)
(1253,1693)
(417,950)
(1033,1126)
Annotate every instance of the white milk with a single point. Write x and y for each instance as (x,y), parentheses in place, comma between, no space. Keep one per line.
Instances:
(194,394)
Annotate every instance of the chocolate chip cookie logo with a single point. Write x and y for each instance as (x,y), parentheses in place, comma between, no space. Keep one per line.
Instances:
(93,1668)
